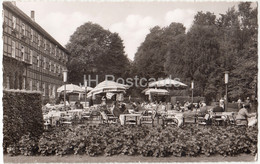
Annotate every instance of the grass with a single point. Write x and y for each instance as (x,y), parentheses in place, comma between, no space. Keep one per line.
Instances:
(122,158)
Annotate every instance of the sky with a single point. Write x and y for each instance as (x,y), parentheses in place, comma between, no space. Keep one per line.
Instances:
(132,20)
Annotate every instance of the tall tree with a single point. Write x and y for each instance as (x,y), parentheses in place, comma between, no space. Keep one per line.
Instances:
(95,51)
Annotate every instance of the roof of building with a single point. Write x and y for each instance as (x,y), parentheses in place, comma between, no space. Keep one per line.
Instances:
(35,25)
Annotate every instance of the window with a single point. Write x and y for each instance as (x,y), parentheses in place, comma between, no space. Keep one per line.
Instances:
(24,83)
(44,63)
(59,69)
(22,53)
(39,40)
(43,89)
(31,85)
(14,22)
(38,86)
(50,90)
(45,44)
(50,65)
(31,35)
(55,68)
(7,82)
(23,29)
(53,91)
(38,61)
(31,57)
(55,51)
(13,49)
(50,48)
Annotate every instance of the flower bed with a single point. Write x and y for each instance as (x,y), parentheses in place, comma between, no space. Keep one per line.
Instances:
(111,140)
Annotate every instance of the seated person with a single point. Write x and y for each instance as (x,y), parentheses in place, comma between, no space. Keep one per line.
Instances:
(189,113)
(243,115)
(177,106)
(78,105)
(203,110)
(217,108)
(137,107)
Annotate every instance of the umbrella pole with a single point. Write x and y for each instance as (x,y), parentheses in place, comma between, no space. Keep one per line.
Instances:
(85,97)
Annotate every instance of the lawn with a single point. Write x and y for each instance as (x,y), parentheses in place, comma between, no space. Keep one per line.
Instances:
(123,158)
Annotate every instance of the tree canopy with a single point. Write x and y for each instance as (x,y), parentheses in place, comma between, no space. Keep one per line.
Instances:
(210,47)
(95,51)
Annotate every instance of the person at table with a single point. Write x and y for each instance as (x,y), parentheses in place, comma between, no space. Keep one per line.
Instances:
(103,100)
(222,103)
(138,107)
(177,106)
(203,110)
(217,108)
(243,115)
(78,105)
(239,103)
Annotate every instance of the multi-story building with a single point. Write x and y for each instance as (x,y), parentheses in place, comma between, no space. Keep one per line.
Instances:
(32,58)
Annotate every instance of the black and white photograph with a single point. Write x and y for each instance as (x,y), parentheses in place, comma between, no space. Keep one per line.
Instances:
(120,81)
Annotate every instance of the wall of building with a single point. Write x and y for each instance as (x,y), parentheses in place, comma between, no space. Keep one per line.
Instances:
(42,58)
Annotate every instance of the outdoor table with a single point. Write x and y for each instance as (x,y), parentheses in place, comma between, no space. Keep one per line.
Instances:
(123,118)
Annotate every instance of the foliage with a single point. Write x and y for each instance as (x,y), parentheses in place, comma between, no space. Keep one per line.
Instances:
(109,140)
(95,51)
(210,47)
(21,115)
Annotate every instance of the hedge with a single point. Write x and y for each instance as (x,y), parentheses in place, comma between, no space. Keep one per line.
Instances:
(21,115)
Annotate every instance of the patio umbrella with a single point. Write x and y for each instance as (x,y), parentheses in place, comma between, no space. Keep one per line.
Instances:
(71,88)
(88,88)
(167,83)
(108,87)
(155,91)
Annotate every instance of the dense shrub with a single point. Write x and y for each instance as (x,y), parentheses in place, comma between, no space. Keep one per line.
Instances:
(22,115)
(111,140)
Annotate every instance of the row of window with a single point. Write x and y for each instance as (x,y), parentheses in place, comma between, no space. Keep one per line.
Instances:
(40,40)
(46,65)
(51,88)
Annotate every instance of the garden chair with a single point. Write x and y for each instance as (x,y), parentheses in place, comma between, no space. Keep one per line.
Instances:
(132,120)
(147,118)
(170,120)
(108,118)
(189,119)
(203,120)
(241,122)
(219,119)
(94,115)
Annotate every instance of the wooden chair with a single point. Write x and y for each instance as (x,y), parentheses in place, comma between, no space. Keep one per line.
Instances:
(219,119)
(108,118)
(147,118)
(190,119)
(241,122)
(132,120)
(169,120)
(202,120)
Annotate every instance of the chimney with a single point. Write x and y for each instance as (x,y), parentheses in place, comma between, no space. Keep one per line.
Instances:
(32,15)
(14,3)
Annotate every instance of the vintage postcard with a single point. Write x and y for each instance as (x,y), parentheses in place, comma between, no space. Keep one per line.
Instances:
(129,81)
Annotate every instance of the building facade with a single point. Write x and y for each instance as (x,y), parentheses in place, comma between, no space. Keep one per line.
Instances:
(32,58)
